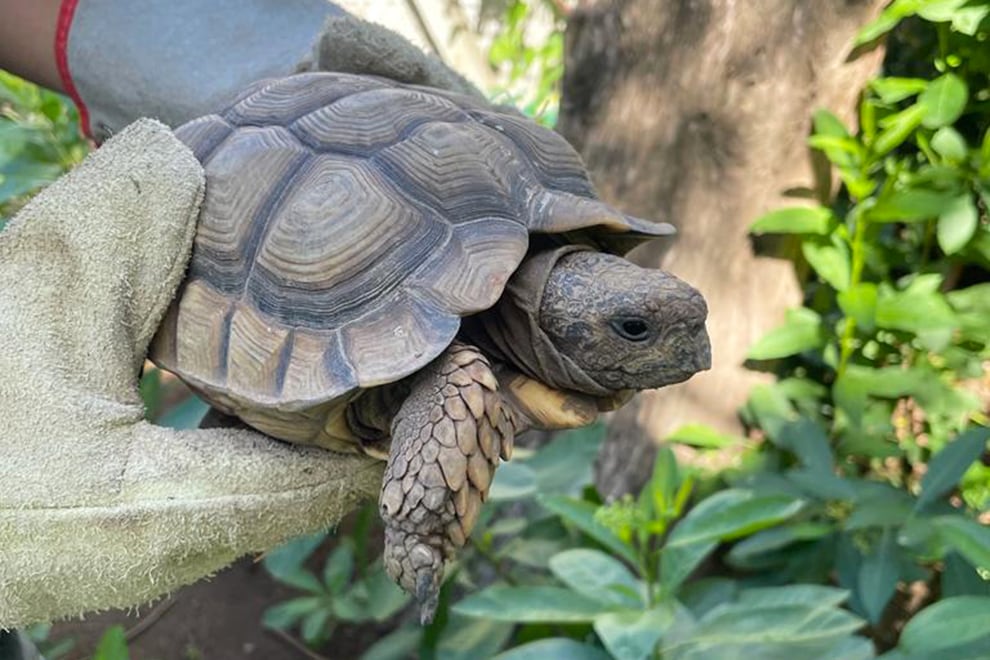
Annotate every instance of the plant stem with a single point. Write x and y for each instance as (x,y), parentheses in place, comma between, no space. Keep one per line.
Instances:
(855,276)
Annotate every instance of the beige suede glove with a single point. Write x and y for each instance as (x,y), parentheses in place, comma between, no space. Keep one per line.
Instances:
(97,507)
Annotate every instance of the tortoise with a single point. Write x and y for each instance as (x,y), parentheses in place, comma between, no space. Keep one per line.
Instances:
(420,276)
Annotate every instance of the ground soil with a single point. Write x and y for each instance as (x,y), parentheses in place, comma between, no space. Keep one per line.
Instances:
(216,619)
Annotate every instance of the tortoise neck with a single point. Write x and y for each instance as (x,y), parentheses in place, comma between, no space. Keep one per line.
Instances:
(510,331)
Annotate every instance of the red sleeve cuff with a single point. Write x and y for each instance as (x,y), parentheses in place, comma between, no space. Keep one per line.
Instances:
(65,15)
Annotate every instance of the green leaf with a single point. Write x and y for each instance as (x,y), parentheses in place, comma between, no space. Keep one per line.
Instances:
(513,481)
(304,580)
(288,559)
(947,623)
(944,100)
(339,568)
(957,223)
(385,597)
(881,511)
(26,177)
(598,576)
(914,312)
(968,538)
(960,578)
(858,382)
(968,17)
(112,645)
(892,90)
(678,562)
(802,331)
(808,442)
(846,153)
(897,128)
(352,606)
(826,123)
(820,484)
(399,644)
(582,515)
(795,220)
(974,298)
(705,594)
(877,577)
(910,205)
(150,389)
(888,20)
(534,552)
(830,260)
(947,467)
(949,144)
(769,408)
(633,634)
(704,437)
(731,514)
(564,466)
(808,595)
(186,415)
(14,137)
(860,303)
(939,11)
(553,647)
(530,604)
(466,638)
(285,615)
(850,648)
(770,632)
(775,538)
(314,625)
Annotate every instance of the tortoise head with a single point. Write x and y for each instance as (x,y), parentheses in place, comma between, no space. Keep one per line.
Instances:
(624,326)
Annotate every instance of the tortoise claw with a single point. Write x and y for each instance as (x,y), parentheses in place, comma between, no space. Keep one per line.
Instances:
(427,595)
(416,565)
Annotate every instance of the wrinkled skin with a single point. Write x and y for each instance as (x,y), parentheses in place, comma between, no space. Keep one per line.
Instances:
(623,327)
(627,327)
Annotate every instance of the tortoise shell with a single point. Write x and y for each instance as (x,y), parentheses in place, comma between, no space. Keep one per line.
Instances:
(349,223)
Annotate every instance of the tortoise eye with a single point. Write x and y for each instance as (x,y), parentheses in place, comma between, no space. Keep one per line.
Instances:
(632,328)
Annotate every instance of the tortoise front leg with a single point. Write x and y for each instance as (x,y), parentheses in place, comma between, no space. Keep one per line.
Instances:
(447,439)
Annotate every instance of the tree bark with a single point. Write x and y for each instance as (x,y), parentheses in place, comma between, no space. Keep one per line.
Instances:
(697,112)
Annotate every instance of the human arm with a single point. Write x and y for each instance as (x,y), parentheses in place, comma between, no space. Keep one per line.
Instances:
(27,40)
(175,61)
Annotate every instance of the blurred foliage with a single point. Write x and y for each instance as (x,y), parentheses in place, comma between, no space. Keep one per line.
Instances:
(350,587)
(50,648)
(618,584)
(879,418)
(112,645)
(529,51)
(39,140)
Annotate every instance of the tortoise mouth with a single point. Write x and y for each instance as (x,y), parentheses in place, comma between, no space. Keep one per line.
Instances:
(691,359)
(692,356)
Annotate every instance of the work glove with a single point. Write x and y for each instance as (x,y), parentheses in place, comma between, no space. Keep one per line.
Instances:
(182,59)
(99,508)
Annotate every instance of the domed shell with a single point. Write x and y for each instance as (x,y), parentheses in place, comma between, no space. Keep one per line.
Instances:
(349,223)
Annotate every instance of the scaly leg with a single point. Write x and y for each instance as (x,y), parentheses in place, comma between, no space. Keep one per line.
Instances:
(447,439)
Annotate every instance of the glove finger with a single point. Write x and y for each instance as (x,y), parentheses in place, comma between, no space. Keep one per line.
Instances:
(89,266)
(350,45)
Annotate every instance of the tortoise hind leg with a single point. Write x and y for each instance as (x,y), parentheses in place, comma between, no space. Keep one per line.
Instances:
(446,442)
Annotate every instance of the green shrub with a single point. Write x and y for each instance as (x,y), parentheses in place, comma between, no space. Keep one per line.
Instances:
(39,140)
(532,68)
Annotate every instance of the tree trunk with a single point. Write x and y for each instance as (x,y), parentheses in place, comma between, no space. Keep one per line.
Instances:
(697,112)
